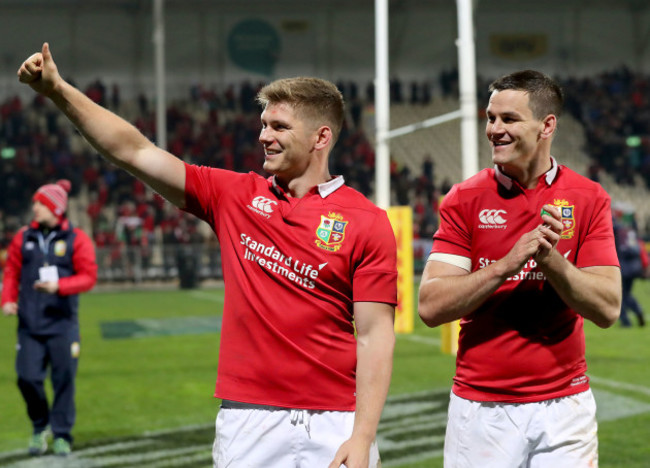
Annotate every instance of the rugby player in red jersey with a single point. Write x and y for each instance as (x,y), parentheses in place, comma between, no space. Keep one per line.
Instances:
(525,251)
(309,268)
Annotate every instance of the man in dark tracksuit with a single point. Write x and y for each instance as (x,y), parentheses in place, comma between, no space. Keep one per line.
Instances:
(48,264)
(633,260)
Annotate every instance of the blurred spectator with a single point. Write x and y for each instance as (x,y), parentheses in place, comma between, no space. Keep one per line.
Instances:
(219,127)
(396,95)
(615,111)
(41,286)
(402,184)
(633,258)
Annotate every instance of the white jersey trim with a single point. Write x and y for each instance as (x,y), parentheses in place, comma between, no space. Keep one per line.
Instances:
(506,181)
(331,186)
(324,189)
(457,260)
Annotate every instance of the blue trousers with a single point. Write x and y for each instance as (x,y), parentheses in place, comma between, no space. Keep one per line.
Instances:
(629,303)
(35,354)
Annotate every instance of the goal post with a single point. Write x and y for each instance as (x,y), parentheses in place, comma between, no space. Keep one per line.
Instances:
(403,223)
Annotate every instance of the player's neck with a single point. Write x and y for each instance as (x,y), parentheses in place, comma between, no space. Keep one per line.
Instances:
(528,175)
(299,186)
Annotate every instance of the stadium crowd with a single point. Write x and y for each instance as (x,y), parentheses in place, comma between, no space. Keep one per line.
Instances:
(220,128)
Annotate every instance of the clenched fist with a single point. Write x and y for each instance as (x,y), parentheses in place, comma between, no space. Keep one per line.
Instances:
(31,69)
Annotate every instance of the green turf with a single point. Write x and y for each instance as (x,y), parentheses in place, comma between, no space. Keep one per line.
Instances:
(128,387)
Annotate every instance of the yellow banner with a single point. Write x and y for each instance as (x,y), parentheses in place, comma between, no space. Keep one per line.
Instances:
(401,218)
(449,337)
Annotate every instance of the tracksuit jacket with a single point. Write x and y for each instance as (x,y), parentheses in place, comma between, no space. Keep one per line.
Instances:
(72,252)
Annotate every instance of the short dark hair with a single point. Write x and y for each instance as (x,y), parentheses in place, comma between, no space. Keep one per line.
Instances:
(544,94)
(315,99)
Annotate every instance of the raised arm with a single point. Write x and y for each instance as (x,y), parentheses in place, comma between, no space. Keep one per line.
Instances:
(113,137)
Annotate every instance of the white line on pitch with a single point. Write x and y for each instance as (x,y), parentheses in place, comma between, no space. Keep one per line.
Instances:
(620,385)
(207,296)
(421,339)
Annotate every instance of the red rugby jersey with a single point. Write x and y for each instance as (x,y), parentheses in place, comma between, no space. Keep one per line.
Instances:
(293,267)
(524,343)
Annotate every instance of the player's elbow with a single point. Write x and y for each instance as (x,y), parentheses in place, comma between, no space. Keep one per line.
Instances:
(604,304)
(429,314)
(604,322)
(613,309)
(606,315)
(609,317)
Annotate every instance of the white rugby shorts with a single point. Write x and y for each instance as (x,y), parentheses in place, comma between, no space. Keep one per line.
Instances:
(256,436)
(558,433)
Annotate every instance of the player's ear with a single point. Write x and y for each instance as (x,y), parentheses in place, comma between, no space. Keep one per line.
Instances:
(549,124)
(323,137)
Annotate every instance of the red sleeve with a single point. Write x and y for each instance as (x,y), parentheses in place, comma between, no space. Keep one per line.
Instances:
(84,264)
(375,277)
(203,188)
(452,236)
(599,247)
(13,267)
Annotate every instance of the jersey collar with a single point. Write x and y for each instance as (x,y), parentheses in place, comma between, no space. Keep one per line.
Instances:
(507,181)
(325,189)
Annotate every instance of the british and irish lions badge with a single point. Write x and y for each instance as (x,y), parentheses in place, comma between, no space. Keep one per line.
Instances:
(331,232)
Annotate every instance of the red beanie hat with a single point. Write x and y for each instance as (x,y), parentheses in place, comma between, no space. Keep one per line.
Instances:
(54,196)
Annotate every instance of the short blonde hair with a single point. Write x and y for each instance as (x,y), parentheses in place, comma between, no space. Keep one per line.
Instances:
(315,99)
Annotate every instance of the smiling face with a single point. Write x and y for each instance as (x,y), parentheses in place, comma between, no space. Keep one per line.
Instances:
(288,141)
(516,136)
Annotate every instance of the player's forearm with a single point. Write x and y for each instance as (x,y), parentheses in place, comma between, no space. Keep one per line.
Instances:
(374,369)
(122,144)
(113,137)
(594,293)
(446,298)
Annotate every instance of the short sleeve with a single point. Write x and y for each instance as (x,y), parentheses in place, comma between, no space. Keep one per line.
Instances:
(375,276)
(599,246)
(452,236)
(204,188)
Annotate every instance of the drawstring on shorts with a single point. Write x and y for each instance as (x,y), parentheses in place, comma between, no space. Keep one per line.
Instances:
(301,417)
(296,416)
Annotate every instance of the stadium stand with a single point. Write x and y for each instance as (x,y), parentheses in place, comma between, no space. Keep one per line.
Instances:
(139,236)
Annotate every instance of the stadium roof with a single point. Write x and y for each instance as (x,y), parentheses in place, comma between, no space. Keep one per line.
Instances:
(324,4)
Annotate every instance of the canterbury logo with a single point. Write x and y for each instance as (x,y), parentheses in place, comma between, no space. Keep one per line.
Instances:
(492,217)
(263,204)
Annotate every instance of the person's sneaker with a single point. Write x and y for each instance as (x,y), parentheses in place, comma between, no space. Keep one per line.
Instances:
(61,447)
(38,444)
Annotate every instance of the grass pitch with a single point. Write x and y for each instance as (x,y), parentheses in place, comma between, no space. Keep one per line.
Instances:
(149,360)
